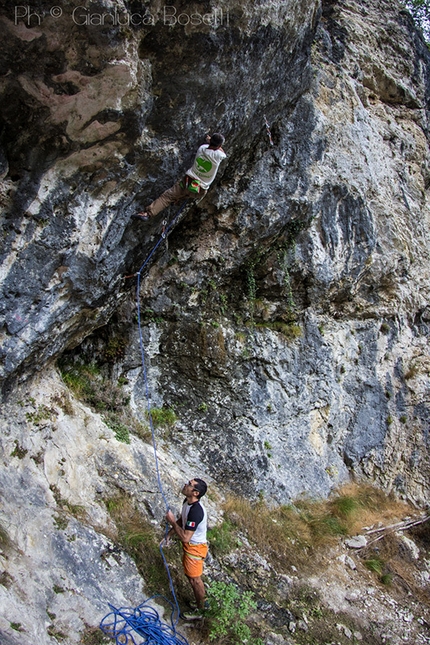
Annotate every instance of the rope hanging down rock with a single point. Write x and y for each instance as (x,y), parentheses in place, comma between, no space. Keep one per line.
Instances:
(144,619)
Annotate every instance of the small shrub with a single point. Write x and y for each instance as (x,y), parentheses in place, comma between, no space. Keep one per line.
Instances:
(121,431)
(221,538)
(228,608)
(87,383)
(6,579)
(57,634)
(106,397)
(412,371)
(94,636)
(17,627)
(61,522)
(289,330)
(63,401)
(115,349)
(162,417)
(18,451)
(42,413)
(140,429)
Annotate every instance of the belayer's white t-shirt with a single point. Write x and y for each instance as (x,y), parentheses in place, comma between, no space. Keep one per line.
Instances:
(194,518)
(206,164)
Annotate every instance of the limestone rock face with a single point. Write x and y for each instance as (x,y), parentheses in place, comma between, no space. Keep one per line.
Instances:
(284,319)
(291,304)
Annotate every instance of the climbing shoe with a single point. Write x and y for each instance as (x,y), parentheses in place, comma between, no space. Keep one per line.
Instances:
(144,217)
(194,614)
(193,605)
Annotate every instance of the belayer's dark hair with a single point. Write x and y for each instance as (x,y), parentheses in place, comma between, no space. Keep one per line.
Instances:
(216,140)
(200,486)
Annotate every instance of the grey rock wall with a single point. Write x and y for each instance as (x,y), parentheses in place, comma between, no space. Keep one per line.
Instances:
(329,233)
(286,318)
(292,303)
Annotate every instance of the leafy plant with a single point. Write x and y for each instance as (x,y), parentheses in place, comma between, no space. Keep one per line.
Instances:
(104,396)
(18,451)
(163,417)
(41,414)
(17,627)
(289,330)
(94,636)
(121,431)
(228,609)
(222,537)
(115,348)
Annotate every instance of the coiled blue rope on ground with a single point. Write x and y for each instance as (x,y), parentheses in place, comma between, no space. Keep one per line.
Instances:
(144,619)
(125,624)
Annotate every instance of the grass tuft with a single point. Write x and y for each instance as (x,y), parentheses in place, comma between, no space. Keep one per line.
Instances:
(104,397)
(291,534)
(138,537)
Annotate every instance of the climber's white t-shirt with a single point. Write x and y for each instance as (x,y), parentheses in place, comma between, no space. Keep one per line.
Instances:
(206,164)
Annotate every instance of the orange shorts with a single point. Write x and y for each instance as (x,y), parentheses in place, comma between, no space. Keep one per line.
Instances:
(192,558)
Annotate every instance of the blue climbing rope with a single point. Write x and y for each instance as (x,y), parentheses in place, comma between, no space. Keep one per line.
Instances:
(144,619)
(142,349)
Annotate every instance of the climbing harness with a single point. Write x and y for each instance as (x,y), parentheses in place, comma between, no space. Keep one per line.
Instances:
(269,134)
(144,620)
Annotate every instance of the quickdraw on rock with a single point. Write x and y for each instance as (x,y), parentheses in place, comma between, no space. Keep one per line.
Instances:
(269,134)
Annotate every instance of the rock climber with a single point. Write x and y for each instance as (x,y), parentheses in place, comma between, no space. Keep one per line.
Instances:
(191,527)
(196,181)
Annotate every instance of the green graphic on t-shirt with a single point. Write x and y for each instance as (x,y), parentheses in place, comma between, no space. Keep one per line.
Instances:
(204,165)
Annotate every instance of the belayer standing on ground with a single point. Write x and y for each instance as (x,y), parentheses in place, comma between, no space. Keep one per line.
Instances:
(191,528)
(196,181)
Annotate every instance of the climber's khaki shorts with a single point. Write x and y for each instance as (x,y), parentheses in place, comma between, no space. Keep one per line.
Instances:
(193,558)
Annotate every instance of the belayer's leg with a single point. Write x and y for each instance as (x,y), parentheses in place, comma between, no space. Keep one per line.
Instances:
(199,591)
